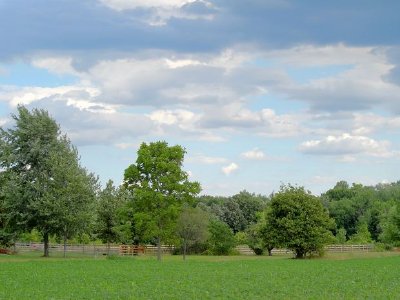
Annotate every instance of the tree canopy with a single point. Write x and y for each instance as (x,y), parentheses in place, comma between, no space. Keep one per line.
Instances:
(160,188)
(298,221)
(45,188)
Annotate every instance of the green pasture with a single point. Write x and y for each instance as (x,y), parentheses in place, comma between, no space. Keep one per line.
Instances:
(338,276)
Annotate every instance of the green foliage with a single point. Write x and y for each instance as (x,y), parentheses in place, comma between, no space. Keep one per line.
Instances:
(44,186)
(362,236)
(391,227)
(255,239)
(32,236)
(298,221)
(221,240)
(355,204)
(341,236)
(241,238)
(192,227)
(160,188)
(73,190)
(107,220)
(238,211)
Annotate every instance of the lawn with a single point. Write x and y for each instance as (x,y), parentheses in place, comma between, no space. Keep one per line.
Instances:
(374,276)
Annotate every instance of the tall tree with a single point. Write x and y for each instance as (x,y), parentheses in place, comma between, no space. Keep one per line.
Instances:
(160,188)
(192,227)
(107,214)
(32,155)
(74,190)
(298,221)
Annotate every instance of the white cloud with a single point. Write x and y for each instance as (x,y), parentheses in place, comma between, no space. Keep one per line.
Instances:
(55,64)
(347,144)
(255,154)
(359,83)
(232,167)
(183,118)
(77,95)
(174,64)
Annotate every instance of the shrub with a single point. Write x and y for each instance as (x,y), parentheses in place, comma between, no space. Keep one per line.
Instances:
(221,240)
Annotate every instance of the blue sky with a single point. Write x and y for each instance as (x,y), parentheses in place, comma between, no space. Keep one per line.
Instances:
(259,92)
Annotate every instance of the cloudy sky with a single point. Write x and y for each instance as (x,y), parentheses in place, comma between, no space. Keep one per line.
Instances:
(259,92)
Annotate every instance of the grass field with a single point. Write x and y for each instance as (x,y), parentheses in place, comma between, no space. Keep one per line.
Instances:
(348,276)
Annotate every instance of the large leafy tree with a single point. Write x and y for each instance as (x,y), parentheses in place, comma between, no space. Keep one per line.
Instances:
(298,221)
(160,188)
(40,172)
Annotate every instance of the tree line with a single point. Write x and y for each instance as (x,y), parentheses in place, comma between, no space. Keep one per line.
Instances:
(44,190)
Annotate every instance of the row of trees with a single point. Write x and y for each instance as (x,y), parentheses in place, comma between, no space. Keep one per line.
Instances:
(44,188)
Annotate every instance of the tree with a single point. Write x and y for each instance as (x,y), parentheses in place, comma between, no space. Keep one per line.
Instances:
(73,190)
(269,236)
(238,211)
(231,214)
(298,221)
(351,205)
(362,236)
(33,155)
(107,215)
(255,239)
(341,236)
(160,188)
(250,206)
(391,227)
(221,240)
(192,227)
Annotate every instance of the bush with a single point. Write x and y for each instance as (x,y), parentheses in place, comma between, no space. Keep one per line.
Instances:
(221,240)
(380,247)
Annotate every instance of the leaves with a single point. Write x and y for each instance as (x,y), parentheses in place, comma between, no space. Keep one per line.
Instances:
(160,188)
(297,220)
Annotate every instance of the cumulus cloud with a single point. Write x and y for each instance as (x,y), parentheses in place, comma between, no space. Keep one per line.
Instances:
(347,144)
(59,65)
(182,118)
(357,84)
(255,154)
(232,167)
(80,97)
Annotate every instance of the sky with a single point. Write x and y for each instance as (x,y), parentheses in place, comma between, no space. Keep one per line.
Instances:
(259,92)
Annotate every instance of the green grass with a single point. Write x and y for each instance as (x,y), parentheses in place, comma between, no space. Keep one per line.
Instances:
(354,276)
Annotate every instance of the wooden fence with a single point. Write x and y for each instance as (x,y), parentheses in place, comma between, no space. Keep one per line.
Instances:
(245,250)
(94,249)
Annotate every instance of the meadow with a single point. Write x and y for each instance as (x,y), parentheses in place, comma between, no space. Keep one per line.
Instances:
(338,276)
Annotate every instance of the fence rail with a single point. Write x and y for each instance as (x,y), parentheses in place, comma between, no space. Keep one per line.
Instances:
(245,250)
(95,249)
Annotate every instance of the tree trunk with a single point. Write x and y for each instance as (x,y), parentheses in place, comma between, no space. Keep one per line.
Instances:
(184,249)
(65,245)
(299,253)
(158,248)
(269,251)
(46,244)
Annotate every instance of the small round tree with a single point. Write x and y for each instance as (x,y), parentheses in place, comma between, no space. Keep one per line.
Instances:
(298,221)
